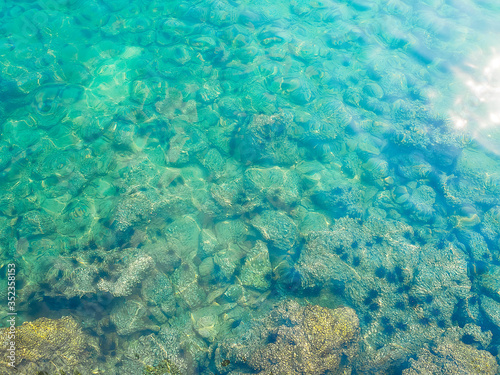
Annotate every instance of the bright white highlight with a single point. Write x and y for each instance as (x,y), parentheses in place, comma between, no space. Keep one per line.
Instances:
(477,106)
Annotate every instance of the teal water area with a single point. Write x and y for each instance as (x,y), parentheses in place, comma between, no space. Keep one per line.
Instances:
(250,187)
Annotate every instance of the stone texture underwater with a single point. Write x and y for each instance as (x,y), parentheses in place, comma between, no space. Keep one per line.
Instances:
(250,186)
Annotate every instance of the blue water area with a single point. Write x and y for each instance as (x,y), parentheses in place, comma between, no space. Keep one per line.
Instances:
(250,187)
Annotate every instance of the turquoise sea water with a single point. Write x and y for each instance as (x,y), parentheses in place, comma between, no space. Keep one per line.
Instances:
(250,187)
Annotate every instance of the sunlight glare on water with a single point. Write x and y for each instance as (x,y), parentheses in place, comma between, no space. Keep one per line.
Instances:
(477,108)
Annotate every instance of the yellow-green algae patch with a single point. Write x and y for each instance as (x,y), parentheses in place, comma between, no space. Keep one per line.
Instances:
(56,346)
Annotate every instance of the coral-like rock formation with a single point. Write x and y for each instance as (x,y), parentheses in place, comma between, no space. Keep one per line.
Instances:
(293,339)
(50,345)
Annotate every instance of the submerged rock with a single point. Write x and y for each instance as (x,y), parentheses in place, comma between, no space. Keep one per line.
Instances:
(292,339)
(385,277)
(185,281)
(157,353)
(36,222)
(158,289)
(128,277)
(52,345)
(262,138)
(256,271)
(131,316)
(278,229)
(453,358)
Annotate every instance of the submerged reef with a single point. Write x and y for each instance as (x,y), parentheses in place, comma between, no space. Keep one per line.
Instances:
(292,339)
(50,346)
(241,187)
(450,355)
(404,291)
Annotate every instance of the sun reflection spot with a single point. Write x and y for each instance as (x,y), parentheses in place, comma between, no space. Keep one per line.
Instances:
(476,108)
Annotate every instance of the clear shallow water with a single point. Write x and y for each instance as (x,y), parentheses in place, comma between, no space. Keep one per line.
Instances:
(219,187)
